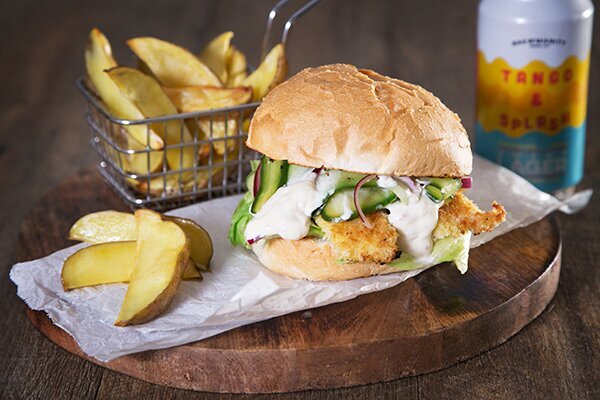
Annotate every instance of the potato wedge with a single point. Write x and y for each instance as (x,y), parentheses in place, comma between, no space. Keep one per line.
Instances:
(203,177)
(99,264)
(116,226)
(246,125)
(158,187)
(201,250)
(172,65)
(220,129)
(138,163)
(98,58)
(105,263)
(236,67)
(162,251)
(201,98)
(192,272)
(271,72)
(198,98)
(145,92)
(104,226)
(214,55)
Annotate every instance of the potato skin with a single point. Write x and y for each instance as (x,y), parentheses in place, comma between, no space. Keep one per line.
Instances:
(201,250)
(163,300)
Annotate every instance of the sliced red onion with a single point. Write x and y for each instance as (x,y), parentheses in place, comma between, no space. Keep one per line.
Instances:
(256,185)
(359,210)
(409,182)
(254,240)
(467,182)
(318,171)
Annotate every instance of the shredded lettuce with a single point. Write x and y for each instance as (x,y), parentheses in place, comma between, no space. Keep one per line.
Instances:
(445,250)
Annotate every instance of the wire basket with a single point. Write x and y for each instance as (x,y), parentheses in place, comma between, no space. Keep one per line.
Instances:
(208,147)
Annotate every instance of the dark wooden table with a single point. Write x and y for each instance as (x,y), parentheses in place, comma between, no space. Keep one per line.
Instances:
(43,140)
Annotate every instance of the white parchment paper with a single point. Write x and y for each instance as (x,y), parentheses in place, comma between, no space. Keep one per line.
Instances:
(240,291)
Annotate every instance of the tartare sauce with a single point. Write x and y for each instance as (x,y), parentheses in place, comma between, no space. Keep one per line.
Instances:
(387,182)
(415,223)
(287,213)
(327,180)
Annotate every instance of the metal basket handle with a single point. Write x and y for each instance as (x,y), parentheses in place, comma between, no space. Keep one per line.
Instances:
(308,5)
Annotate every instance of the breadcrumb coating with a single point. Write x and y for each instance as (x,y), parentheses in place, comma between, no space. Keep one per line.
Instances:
(461,215)
(353,241)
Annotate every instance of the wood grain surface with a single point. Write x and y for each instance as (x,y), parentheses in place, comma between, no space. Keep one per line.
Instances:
(43,139)
(425,324)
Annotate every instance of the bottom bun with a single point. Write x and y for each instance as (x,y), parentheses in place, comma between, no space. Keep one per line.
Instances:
(313,260)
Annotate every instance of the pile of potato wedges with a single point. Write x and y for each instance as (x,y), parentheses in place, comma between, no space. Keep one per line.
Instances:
(149,251)
(169,80)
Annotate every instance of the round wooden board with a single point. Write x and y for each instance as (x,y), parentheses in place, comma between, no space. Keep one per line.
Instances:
(430,322)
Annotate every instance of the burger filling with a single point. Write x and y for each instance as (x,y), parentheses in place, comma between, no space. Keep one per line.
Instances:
(404,222)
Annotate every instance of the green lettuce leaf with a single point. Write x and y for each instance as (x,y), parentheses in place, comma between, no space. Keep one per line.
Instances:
(445,250)
(239,220)
(241,216)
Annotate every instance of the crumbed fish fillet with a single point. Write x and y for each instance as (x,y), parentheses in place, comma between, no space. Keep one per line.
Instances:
(461,215)
(353,241)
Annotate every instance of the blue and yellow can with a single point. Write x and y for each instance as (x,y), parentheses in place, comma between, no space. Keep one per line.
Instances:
(532,79)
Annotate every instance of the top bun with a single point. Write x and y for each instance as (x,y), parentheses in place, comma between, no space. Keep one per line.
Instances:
(340,117)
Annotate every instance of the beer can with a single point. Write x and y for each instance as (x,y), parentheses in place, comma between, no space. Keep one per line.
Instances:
(532,80)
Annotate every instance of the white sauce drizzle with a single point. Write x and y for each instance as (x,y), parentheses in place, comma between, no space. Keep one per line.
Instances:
(415,223)
(287,213)
(386,182)
(348,208)
(327,180)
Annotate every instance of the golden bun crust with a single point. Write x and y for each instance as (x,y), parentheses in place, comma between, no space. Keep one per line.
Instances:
(313,260)
(341,117)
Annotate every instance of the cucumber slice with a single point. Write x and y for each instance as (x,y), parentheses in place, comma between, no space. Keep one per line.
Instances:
(273,175)
(331,180)
(340,206)
(440,189)
(347,180)
(297,172)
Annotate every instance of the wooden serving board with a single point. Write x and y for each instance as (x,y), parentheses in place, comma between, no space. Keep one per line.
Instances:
(430,322)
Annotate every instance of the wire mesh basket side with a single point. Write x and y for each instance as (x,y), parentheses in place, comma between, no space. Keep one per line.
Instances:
(204,156)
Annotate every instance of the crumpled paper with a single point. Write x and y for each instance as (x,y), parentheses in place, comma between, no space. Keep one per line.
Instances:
(240,291)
